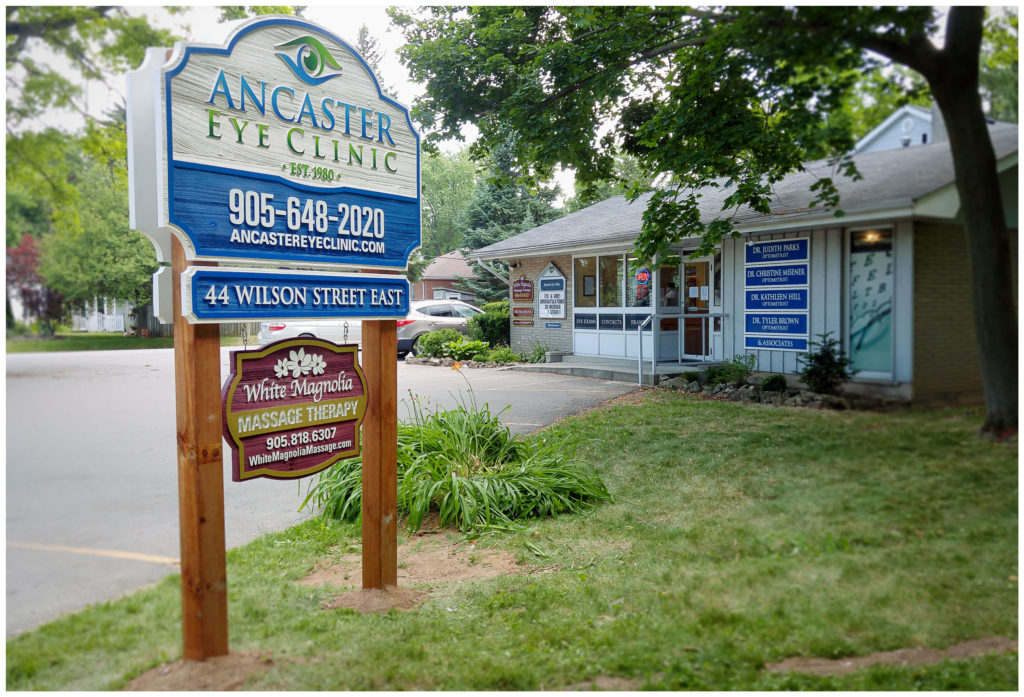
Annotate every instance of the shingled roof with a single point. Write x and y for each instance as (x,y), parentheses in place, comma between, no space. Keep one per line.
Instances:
(893,180)
(448,266)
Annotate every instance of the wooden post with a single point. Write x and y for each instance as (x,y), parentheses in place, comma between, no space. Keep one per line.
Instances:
(380,455)
(204,597)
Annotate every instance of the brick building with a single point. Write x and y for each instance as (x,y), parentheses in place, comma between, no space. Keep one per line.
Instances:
(889,279)
(439,279)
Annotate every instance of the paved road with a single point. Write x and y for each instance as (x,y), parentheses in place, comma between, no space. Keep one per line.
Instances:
(92,473)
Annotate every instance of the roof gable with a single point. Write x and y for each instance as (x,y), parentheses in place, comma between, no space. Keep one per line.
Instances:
(909,121)
(448,266)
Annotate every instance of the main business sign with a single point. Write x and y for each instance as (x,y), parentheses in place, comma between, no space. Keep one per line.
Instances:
(293,408)
(278,147)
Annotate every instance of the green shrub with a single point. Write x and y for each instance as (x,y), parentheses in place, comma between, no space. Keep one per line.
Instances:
(825,368)
(496,306)
(739,368)
(430,344)
(467,466)
(537,353)
(691,376)
(492,326)
(463,349)
(481,357)
(714,374)
(503,354)
(774,383)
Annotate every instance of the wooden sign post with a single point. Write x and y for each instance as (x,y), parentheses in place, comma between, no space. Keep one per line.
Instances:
(380,455)
(204,593)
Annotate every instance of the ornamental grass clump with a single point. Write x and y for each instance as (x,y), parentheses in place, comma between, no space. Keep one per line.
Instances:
(466,465)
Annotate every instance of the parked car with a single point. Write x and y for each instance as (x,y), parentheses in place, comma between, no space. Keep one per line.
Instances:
(424,316)
(431,315)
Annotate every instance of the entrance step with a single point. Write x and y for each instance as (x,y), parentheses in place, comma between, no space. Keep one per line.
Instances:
(588,370)
(617,369)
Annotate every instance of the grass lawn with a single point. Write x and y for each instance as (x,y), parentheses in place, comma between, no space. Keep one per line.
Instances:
(740,535)
(99,341)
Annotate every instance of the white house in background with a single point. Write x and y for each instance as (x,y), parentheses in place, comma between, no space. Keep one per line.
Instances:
(907,126)
(101,315)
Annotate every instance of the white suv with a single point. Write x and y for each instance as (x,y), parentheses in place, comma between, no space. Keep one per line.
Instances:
(424,316)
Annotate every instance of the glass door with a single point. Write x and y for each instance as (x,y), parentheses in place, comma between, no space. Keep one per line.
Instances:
(696,299)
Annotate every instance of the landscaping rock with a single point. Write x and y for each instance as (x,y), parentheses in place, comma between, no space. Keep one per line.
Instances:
(693,387)
(674,384)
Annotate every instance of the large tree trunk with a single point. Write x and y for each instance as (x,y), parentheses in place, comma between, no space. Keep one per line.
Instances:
(952,75)
(955,86)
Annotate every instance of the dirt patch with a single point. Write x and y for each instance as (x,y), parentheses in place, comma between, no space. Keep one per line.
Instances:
(423,563)
(217,674)
(900,657)
(368,600)
(605,683)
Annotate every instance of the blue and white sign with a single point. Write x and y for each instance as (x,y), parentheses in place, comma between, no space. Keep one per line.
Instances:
(552,293)
(220,294)
(279,146)
(778,251)
(776,323)
(777,275)
(776,343)
(552,325)
(776,300)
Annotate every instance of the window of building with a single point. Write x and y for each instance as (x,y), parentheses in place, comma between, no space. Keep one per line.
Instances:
(585,280)
(639,281)
(870,287)
(610,280)
(668,287)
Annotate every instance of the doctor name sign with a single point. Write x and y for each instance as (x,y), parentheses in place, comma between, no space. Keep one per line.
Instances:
(279,146)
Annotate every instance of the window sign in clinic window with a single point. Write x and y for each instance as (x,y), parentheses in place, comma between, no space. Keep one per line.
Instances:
(776,295)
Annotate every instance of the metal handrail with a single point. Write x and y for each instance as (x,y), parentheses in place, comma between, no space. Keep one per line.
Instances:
(679,331)
(640,353)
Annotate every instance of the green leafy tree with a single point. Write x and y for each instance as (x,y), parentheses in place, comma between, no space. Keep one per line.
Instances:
(448,186)
(877,94)
(1000,65)
(628,173)
(95,254)
(502,206)
(368,46)
(721,96)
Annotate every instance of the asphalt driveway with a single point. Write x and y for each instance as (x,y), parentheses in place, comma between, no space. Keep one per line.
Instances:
(92,467)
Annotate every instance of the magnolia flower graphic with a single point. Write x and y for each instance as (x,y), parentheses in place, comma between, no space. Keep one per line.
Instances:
(281,369)
(300,363)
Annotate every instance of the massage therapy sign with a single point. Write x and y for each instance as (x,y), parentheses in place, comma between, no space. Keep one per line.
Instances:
(293,408)
(278,147)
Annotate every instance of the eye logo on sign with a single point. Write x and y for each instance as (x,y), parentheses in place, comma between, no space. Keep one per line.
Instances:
(310,61)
